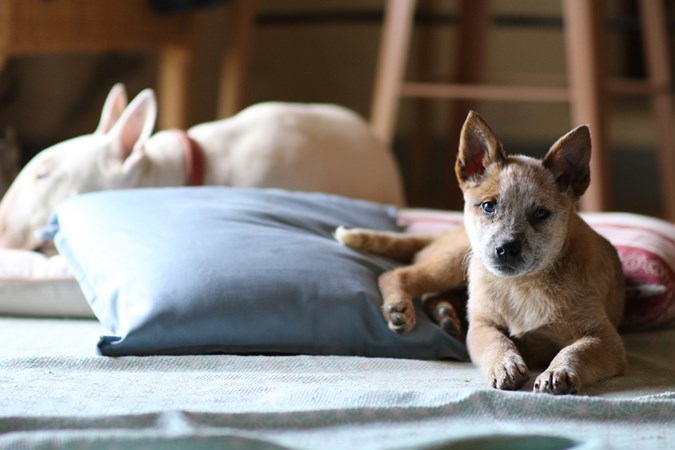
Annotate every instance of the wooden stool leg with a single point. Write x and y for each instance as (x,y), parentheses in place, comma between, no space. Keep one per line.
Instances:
(418,189)
(393,55)
(472,45)
(655,41)
(587,74)
(4,36)
(474,31)
(172,88)
(237,58)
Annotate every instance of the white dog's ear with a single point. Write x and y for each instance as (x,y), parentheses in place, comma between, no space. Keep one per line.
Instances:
(112,108)
(478,148)
(133,128)
(569,160)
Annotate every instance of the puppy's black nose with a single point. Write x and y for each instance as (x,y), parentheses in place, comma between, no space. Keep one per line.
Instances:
(508,251)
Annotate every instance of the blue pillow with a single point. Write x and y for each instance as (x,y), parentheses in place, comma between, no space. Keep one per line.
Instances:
(247,271)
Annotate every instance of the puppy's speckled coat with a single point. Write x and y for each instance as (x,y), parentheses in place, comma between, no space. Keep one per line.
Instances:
(544,288)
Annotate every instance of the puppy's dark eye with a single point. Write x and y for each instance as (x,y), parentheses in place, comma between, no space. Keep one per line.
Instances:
(541,214)
(489,207)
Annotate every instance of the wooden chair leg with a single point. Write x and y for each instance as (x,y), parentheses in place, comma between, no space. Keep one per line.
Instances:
(237,58)
(587,74)
(391,65)
(172,88)
(655,41)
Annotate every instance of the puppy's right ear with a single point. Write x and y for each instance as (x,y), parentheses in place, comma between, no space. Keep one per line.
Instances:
(478,148)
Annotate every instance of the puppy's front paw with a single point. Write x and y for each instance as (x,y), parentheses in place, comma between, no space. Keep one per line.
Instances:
(510,373)
(400,316)
(557,381)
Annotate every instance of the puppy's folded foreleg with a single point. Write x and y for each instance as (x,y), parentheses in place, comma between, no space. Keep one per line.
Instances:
(591,358)
(436,269)
(438,265)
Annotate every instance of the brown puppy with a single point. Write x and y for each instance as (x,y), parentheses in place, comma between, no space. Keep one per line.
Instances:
(544,288)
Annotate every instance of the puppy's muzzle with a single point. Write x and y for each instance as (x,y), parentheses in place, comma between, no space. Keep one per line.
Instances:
(509,252)
(508,257)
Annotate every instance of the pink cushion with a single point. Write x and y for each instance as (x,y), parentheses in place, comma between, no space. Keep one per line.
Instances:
(646,247)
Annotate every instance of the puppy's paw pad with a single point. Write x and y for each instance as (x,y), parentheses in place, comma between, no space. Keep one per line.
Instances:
(452,326)
(557,381)
(400,318)
(510,373)
(446,317)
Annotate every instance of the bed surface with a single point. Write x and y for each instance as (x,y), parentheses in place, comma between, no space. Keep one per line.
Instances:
(56,392)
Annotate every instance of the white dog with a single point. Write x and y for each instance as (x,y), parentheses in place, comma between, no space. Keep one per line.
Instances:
(323,148)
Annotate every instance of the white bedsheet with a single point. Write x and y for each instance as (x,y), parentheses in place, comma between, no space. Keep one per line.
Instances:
(55,392)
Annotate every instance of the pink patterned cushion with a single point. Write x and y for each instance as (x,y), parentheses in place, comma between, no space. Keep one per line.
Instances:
(646,247)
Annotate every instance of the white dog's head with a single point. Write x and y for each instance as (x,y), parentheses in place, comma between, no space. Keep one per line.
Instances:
(110,158)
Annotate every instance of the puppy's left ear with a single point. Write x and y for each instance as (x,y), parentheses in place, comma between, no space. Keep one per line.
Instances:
(569,161)
(478,149)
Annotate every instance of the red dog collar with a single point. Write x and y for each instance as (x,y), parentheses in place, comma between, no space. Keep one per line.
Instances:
(193,159)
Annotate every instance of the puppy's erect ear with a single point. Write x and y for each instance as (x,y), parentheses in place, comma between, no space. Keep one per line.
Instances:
(112,108)
(478,148)
(569,161)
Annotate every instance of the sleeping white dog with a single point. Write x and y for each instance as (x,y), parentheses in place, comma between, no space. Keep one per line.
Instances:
(307,147)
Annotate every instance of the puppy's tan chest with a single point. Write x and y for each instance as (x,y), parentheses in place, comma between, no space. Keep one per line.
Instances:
(518,307)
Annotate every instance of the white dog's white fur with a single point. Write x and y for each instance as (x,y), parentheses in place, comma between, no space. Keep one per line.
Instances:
(307,147)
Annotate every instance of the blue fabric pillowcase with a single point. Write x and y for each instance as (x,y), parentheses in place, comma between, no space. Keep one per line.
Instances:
(247,271)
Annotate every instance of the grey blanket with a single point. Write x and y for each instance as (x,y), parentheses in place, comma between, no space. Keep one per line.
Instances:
(55,392)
